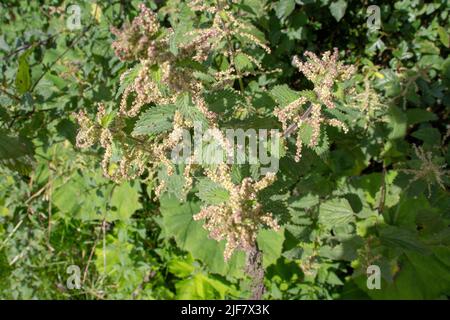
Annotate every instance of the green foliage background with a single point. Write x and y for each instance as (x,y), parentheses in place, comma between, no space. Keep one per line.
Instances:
(347,208)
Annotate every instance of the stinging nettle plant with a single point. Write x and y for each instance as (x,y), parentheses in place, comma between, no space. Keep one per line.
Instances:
(180,76)
(225,150)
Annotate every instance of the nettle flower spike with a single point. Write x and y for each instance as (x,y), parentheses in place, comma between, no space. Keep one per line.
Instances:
(225,27)
(133,157)
(137,40)
(323,73)
(429,171)
(238,219)
(159,79)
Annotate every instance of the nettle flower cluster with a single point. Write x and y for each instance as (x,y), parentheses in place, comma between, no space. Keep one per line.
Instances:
(324,73)
(427,169)
(236,220)
(132,154)
(146,41)
(168,82)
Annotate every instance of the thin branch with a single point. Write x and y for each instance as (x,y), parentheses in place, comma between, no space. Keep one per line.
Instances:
(90,258)
(294,126)
(12,233)
(37,193)
(73,43)
(32,44)
(382,191)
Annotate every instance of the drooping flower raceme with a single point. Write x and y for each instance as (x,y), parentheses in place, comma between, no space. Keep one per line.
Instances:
(238,219)
(308,110)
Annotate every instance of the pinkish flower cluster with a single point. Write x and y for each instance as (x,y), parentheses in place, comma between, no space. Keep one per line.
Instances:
(324,73)
(238,219)
(306,112)
(138,39)
(132,162)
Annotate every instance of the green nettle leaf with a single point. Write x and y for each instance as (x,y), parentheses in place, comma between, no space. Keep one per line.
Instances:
(173,43)
(107,119)
(181,268)
(443,36)
(67,129)
(174,183)
(323,145)
(310,95)
(16,153)
(402,52)
(155,120)
(59,83)
(204,77)
(419,277)
(223,100)
(338,8)
(81,196)
(243,63)
(156,73)
(347,250)
(191,64)
(389,82)
(179,36)
(377,45)
(128,79)
(403,239)
(375,195)
(284,95)
(211,192)
(23,75)
(336,212)
(270,242)
(397,123)
(428,135)
(178,222)
(187,108)
(124,202)
(254,31)
(284,8)
(305,132)
(201,287)
(419,115)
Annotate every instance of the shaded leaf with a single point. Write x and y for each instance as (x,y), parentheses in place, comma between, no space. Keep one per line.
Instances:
(338,8)
(155,120)
(16,153)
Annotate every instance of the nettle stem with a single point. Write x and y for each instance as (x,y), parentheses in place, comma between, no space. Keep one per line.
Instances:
(254,268)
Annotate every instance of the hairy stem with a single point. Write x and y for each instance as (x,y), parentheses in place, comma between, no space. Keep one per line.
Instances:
(254,268)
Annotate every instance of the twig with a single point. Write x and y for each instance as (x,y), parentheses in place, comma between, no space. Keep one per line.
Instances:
(12,232)
(104,244)
(37,193)
(294,126)
(74,41)
(90,259)
(50,195)
(38,43)
(382,191)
